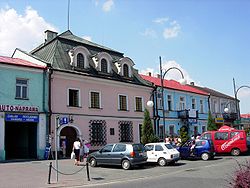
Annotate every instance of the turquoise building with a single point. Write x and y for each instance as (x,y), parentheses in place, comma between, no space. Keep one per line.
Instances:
(23,109)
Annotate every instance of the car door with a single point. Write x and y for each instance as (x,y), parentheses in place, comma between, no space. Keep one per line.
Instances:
(150,152)
(117,153)
(158,152)
(104,156)
(185,150)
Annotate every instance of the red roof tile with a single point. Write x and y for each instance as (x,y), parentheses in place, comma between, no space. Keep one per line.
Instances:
(21,62)
(172,84)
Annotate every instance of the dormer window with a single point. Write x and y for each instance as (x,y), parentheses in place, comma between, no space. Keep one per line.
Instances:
(125,70)
(79,57)
(103,62)
(104,66)
(80,61)
(125,67)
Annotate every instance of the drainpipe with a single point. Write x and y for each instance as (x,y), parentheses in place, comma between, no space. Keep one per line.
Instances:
(49,98)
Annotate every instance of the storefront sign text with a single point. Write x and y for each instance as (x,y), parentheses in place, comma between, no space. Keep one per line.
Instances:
(17,108)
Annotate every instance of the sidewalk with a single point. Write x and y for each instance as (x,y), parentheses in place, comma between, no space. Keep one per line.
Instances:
(34,174)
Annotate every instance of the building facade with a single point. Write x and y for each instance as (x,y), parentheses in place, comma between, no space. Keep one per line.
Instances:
(95,89)
(184,106)
(23,109)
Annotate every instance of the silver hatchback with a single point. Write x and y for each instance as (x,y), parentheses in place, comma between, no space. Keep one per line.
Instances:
(123,154)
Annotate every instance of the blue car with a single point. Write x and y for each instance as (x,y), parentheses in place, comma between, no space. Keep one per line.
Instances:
(202,149)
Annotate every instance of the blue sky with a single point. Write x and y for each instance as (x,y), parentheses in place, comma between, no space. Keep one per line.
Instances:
(209,40)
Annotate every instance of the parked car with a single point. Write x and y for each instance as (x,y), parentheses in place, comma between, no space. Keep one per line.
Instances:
(203,149)
(162,153)
(126,155)
(228,140)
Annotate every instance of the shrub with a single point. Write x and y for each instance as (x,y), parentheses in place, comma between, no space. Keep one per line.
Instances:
(241,177)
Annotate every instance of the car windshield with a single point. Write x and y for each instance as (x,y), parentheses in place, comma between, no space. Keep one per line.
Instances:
(169,146)
(138,147)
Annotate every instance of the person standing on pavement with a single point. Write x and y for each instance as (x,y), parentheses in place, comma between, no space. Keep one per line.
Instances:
(76,148)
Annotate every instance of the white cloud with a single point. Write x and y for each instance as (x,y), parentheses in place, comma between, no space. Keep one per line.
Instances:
(161,20)
(172,31)
(21,31)
(87,38)
(172,74)
(149,33)
(107,6)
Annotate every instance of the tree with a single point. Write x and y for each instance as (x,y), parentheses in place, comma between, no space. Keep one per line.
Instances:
(211,125)
(147,130)
(184,134)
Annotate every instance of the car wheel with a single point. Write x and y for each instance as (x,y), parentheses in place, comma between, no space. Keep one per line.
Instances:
(126,164)
(235,152)
(92,162)
(204,156)
(162,162)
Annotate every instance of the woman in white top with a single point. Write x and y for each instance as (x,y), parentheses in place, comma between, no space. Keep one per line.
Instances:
(76,149)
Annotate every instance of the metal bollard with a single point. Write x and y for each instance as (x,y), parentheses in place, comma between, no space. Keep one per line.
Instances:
(50,167)
(87,167)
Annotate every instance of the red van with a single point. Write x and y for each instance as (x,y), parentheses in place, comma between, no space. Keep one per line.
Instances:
(227,140)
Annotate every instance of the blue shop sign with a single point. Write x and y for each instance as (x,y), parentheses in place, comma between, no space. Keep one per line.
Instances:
(22,118)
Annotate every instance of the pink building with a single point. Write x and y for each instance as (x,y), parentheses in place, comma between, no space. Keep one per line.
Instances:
(95,88)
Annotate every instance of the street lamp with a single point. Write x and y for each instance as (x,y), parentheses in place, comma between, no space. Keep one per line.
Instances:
(235,94)
(182,81)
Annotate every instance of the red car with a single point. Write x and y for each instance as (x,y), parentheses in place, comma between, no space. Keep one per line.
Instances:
(227,140)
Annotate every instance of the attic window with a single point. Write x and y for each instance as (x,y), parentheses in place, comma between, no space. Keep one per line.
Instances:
(125,70)
(104,66)
(80,61)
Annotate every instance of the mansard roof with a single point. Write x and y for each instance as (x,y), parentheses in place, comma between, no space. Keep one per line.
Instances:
(19,62)
(172,84)
(213,92)
(55,52)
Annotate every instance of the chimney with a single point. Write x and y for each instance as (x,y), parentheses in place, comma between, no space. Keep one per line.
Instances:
(149,74)
(50,35)
(192,83)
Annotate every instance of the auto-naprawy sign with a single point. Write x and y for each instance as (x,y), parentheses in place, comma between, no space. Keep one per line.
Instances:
(17,108)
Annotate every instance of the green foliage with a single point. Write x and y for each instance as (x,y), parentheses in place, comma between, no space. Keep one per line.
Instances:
(147,130)
(184,135)
(211,125)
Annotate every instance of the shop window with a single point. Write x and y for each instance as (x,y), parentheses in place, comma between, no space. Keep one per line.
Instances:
(21,89)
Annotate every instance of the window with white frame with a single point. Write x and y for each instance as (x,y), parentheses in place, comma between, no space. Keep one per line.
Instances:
(170,102)
(80,61)
(182,103)
(125,70)
(104,66)
(95,99)
(201,106)
(73,97)
(159,100)
(21,88)
(123,103)
(138,104)
(193,104)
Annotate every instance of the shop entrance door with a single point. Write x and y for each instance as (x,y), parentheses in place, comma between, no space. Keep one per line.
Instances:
(20,140)
(69,135)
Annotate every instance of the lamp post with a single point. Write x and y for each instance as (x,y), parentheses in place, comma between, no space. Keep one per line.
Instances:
(162,75)
(235,94)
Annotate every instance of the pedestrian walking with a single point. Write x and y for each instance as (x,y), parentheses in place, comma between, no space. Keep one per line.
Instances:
(76,148)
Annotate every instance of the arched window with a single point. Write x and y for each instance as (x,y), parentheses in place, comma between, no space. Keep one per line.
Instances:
(104,66)
(80,61)
(125,70)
